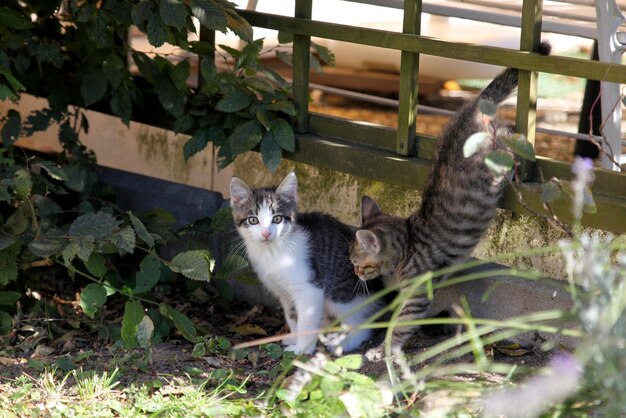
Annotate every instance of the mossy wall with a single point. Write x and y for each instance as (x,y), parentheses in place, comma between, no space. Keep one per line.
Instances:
(339,194)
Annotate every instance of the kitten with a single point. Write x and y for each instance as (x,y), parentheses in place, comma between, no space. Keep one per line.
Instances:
(459,203)
(302,258)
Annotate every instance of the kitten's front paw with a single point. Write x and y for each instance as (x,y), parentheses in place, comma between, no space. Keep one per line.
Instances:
(296,349)
(334,343)
(376,353)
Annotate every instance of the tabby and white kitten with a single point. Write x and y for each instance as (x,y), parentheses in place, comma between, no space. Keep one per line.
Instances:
(458,206)
(302,258)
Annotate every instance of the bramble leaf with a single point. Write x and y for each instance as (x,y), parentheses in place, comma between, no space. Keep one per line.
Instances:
(148,274)
(270,152)
(475,143)
(133,315)
(487,107)
(96,225)
(499,162)
(92,298)
(182,323)
(193,264)
(519,145)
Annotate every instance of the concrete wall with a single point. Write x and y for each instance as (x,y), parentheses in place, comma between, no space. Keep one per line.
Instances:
(138,148)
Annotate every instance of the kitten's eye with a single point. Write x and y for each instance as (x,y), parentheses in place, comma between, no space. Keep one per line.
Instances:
(253,220)
(277,219)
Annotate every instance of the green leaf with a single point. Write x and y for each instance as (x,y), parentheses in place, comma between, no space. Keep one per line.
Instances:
(145,331)
(146,66)
(173,12)
(325,54)
(589,205)
(23,183)
(6,323)
(53,170)
(18,222)
(11,128)
(172,99)
(9,298)
(239,25)
(93,87)
(487,107)
(475,143)
(245,137)
(148,274)
(210,14)
(183,124)
(157,31)
(270,152)
(179,74)
(285,37)
(45,247)
(182,323)
(519,145)
(14,19)
(285,57)
(197,142)
(499,162)
(124,240)
(92,298)
(133,315)
(234,102)
(96,265)
(8,265)
(192,264)
(141,231)
(85,248)
(114,70)
(199,350)
(141,12)
(121,105)
(283,134)
(284,106)
(352,361)
(70,251)
(259,84)
(550,191)
(96,225)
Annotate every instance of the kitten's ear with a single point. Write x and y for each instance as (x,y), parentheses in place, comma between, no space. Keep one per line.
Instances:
(369,209)
(368,241)
(239,192)
(288,188)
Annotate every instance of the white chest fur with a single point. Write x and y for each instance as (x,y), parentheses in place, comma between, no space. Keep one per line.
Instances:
(282,265)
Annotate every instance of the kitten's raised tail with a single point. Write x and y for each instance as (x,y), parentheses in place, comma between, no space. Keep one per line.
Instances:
(505,83)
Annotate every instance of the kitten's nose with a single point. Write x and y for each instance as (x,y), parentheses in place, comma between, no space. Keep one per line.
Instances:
(266,234)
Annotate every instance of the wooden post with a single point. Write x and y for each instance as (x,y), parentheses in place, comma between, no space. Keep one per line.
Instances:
(409,67)
(301,68)
(526,114)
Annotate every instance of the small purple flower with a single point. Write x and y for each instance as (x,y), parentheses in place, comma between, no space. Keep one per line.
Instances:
(582,165)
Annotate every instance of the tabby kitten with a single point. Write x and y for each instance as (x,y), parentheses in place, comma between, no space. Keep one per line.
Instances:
(459,204)
(302,258)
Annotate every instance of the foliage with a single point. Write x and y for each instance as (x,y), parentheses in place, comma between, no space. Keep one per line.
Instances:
(53,212)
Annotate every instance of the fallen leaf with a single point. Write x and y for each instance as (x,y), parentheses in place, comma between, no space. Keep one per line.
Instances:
(42,351)
(248,329)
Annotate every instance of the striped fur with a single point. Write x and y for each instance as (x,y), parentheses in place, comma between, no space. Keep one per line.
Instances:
(459,204)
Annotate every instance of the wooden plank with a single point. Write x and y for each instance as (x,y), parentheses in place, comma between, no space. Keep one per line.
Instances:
(364,133)
(409,68)
(301,67)
(414,43)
